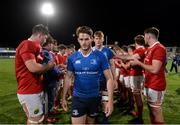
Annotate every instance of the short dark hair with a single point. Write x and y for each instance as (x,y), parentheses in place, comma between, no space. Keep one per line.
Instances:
(152,30)
(131,47)
(124,48)
(61,47)
(49,40)
(139,39)
(72,46)
(84,29)
(40,28)
(99,34)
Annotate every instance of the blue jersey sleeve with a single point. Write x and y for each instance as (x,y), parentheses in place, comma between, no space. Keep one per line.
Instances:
(104,62)
(108,53)
(70,66)
(47,56)
(111,54)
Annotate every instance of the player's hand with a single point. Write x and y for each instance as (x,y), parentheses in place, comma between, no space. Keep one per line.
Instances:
(134,62)
(64,105)
(109,108)
(50,64)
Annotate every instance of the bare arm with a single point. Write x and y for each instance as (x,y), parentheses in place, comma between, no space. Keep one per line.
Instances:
(117,63)
(110,88)
(154,68)
(35,67)
(128,57)
(113,70)
(68,78)
(112,65)
(125,66)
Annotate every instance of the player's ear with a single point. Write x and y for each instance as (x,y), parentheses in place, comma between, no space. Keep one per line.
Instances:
(103,39)
(92,38)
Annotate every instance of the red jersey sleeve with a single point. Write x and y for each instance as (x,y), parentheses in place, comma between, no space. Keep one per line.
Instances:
(140,52)
(159,54)
(27,56)
(29,51)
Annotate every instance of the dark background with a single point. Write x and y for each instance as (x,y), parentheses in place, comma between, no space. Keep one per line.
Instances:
(120,20)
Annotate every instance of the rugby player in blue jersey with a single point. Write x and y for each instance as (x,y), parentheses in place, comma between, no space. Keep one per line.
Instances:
(99,39)
(86,66)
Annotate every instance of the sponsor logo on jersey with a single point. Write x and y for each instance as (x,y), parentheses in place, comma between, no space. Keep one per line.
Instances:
(93,62)
(36,111)
(85,68)
(75,112)
(78,62)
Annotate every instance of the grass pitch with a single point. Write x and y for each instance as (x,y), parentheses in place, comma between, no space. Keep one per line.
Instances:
(11,112)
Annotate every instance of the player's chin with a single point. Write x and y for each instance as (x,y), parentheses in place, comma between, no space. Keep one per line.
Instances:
(85,48)
(98,44)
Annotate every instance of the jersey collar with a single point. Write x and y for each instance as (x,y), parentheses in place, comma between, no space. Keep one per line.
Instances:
(140,47)
(87,54)
(154,44)
(94,48)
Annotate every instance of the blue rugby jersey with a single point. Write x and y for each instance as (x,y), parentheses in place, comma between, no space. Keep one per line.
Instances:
(51,75)
(108,54)
(87,71)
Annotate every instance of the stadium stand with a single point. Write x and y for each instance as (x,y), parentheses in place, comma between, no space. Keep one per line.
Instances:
(7,53)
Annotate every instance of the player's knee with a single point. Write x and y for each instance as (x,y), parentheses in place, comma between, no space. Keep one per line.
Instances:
(36,120)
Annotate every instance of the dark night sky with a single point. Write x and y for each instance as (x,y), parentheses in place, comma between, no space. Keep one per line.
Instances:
(119,20)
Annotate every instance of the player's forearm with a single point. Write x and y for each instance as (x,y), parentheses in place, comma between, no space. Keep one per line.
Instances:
(113,70)
(110,89)
(43,69)
(124,57)
(149,68)
(39,68)
(66,86)
(125,66)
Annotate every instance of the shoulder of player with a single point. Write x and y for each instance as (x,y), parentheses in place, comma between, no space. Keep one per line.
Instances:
(98,53)
(46,52)
(106,49)
(160,47)
(32,45)
(139,50)
(75,54)
(29,46)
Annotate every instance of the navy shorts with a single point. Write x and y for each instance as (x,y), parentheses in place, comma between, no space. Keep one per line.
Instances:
(85,106)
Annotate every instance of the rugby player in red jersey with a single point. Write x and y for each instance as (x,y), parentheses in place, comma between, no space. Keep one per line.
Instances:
(155,82)
(28,74)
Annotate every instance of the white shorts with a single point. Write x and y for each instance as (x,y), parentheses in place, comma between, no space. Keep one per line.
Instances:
(104,97)
(127,81)
(154,97)
(117,70)
(33,102)
(60,84)
(136,83)
(121,79)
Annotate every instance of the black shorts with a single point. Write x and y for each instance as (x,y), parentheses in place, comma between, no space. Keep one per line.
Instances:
(85,106)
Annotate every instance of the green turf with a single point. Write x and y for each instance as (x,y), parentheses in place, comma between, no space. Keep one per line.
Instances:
(11,111)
